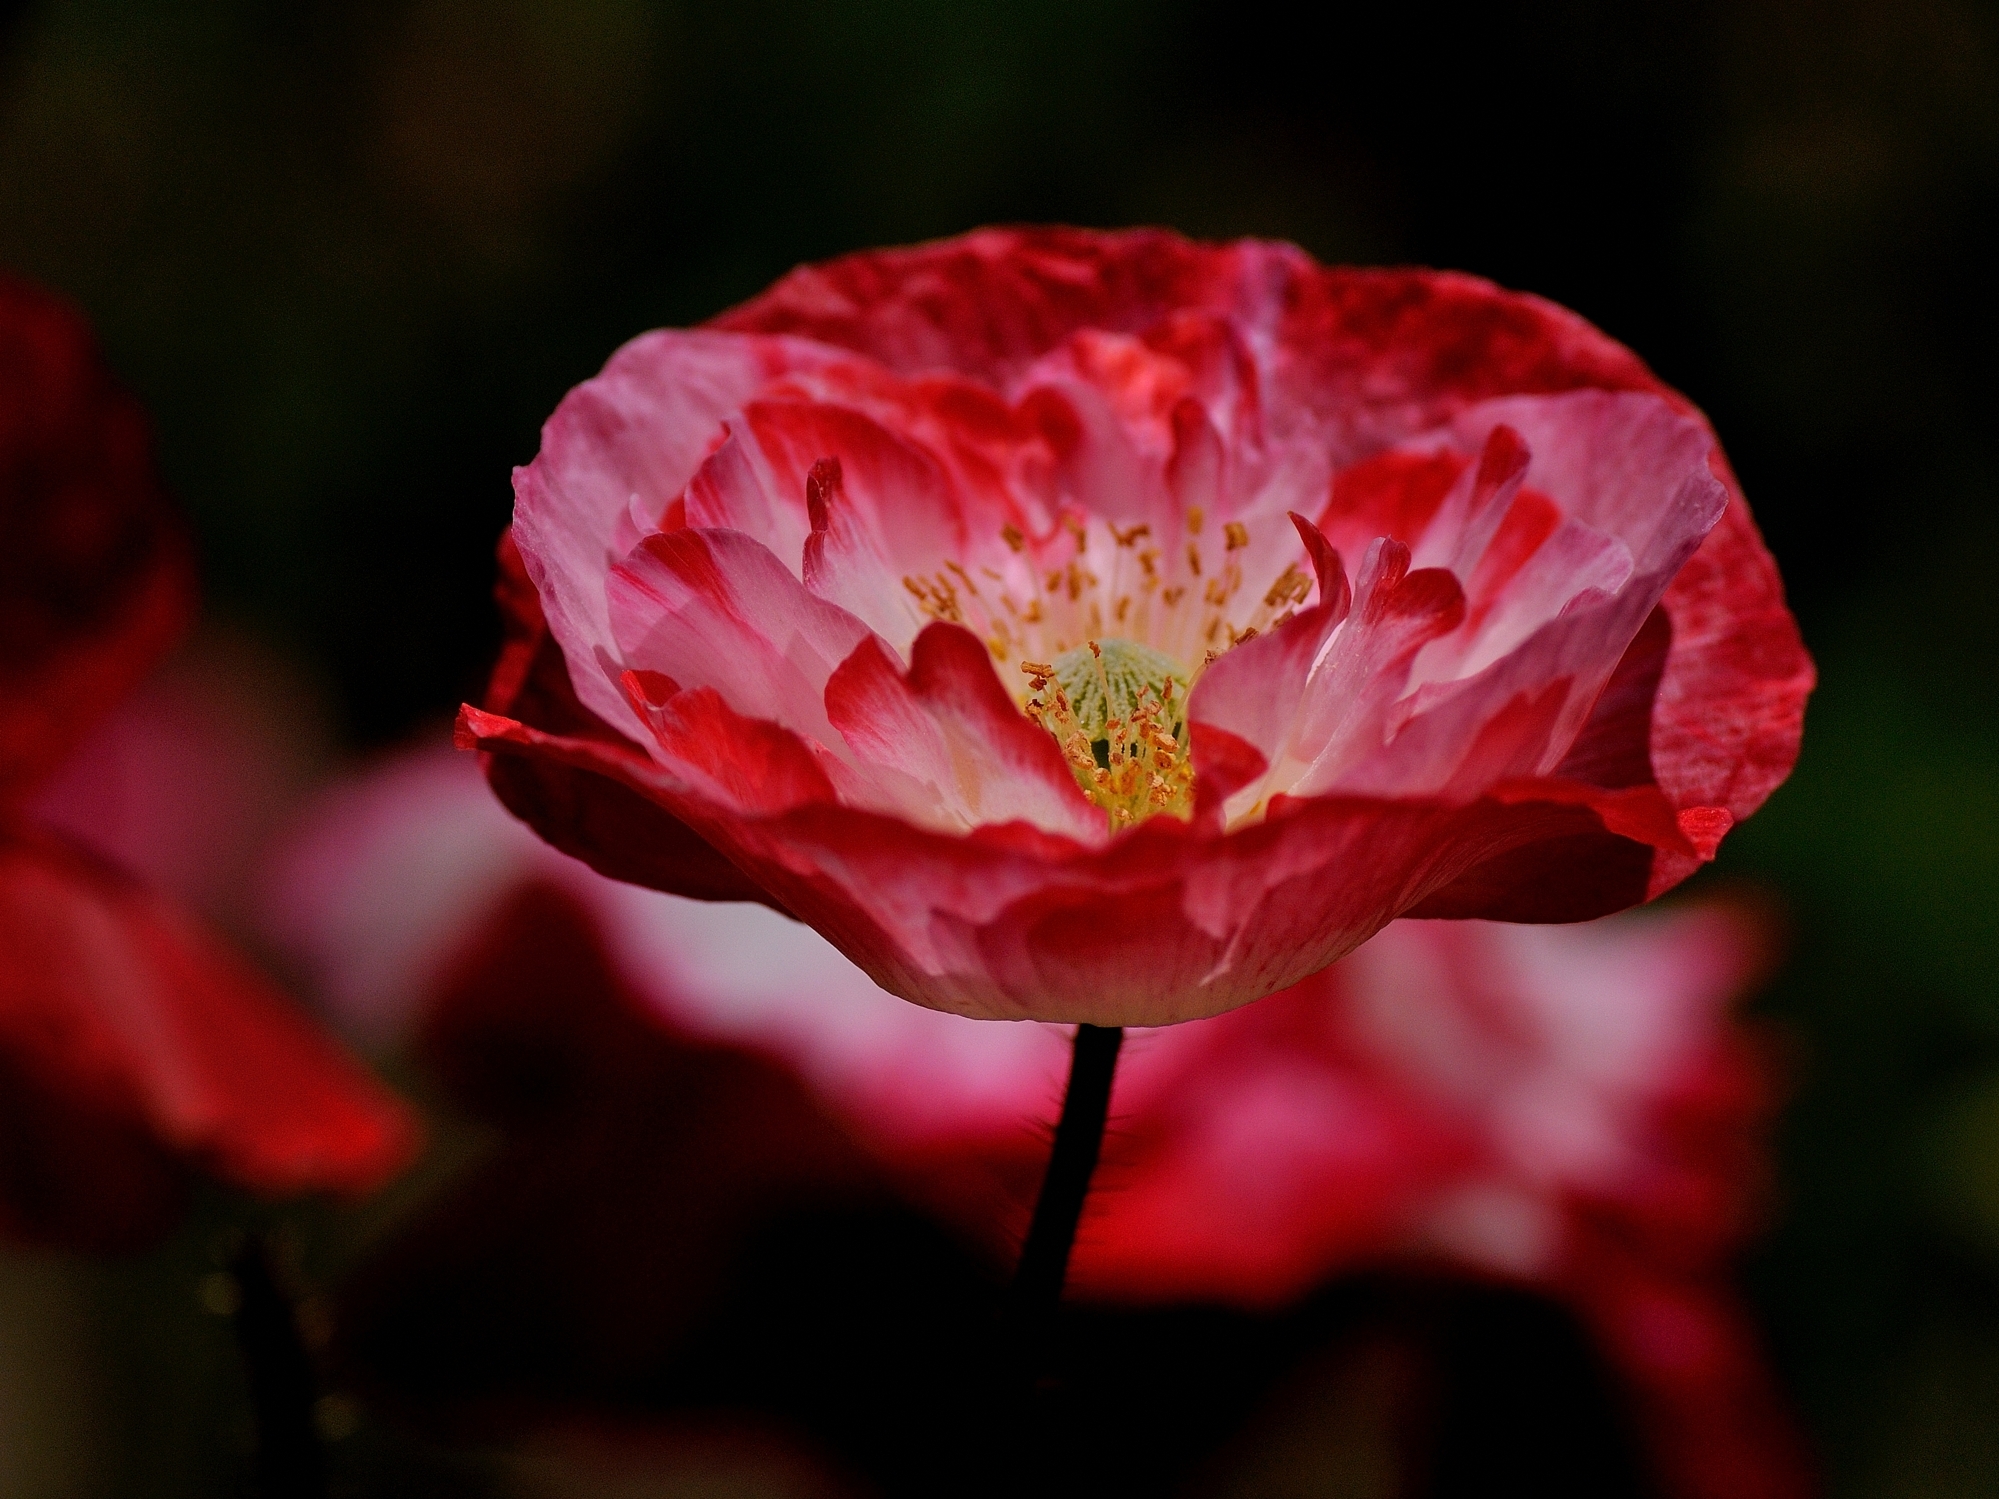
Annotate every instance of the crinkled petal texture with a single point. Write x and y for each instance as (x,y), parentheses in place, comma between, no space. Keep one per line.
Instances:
(96,579)
(1460,611)
(135,1047)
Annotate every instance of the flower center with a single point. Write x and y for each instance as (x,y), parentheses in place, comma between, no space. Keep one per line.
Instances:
(1118,710)
(1107,681)
(1151,612)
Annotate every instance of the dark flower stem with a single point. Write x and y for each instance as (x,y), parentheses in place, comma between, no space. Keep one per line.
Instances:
(1079,1137)
(290,1463)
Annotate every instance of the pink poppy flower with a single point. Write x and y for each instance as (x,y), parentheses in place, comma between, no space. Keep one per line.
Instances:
(133,1046)
(1567,1108)
(1110,628)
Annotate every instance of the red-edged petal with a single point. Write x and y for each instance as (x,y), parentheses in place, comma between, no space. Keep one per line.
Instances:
(717,609)
(1715,742)
(1343,713)
(587,812)
(614,458)
(952,731)
(1249,696)
(748,765)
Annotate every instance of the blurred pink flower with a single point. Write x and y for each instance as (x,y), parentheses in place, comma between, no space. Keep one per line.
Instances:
(133,1046)
(1113,628)
(189,778)
(1565,1108)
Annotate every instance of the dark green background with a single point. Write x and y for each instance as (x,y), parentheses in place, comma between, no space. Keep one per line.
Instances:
(352,254)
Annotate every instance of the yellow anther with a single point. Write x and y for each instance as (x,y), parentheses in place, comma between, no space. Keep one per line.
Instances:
(1291,587)
(1237,534)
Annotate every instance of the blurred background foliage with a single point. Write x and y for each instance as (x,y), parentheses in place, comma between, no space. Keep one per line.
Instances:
(352,253)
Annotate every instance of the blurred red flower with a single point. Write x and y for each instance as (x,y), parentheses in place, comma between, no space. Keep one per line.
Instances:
(96,581)
(1566,1108)
(132,1044)
(1111,628)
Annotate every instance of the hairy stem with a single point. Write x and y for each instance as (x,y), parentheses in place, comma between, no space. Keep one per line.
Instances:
(1079,1137)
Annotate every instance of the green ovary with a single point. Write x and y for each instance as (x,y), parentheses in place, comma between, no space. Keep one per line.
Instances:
(1131,672)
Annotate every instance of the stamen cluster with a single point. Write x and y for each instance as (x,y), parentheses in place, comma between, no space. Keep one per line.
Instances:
(1123,730)
(1119,609)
